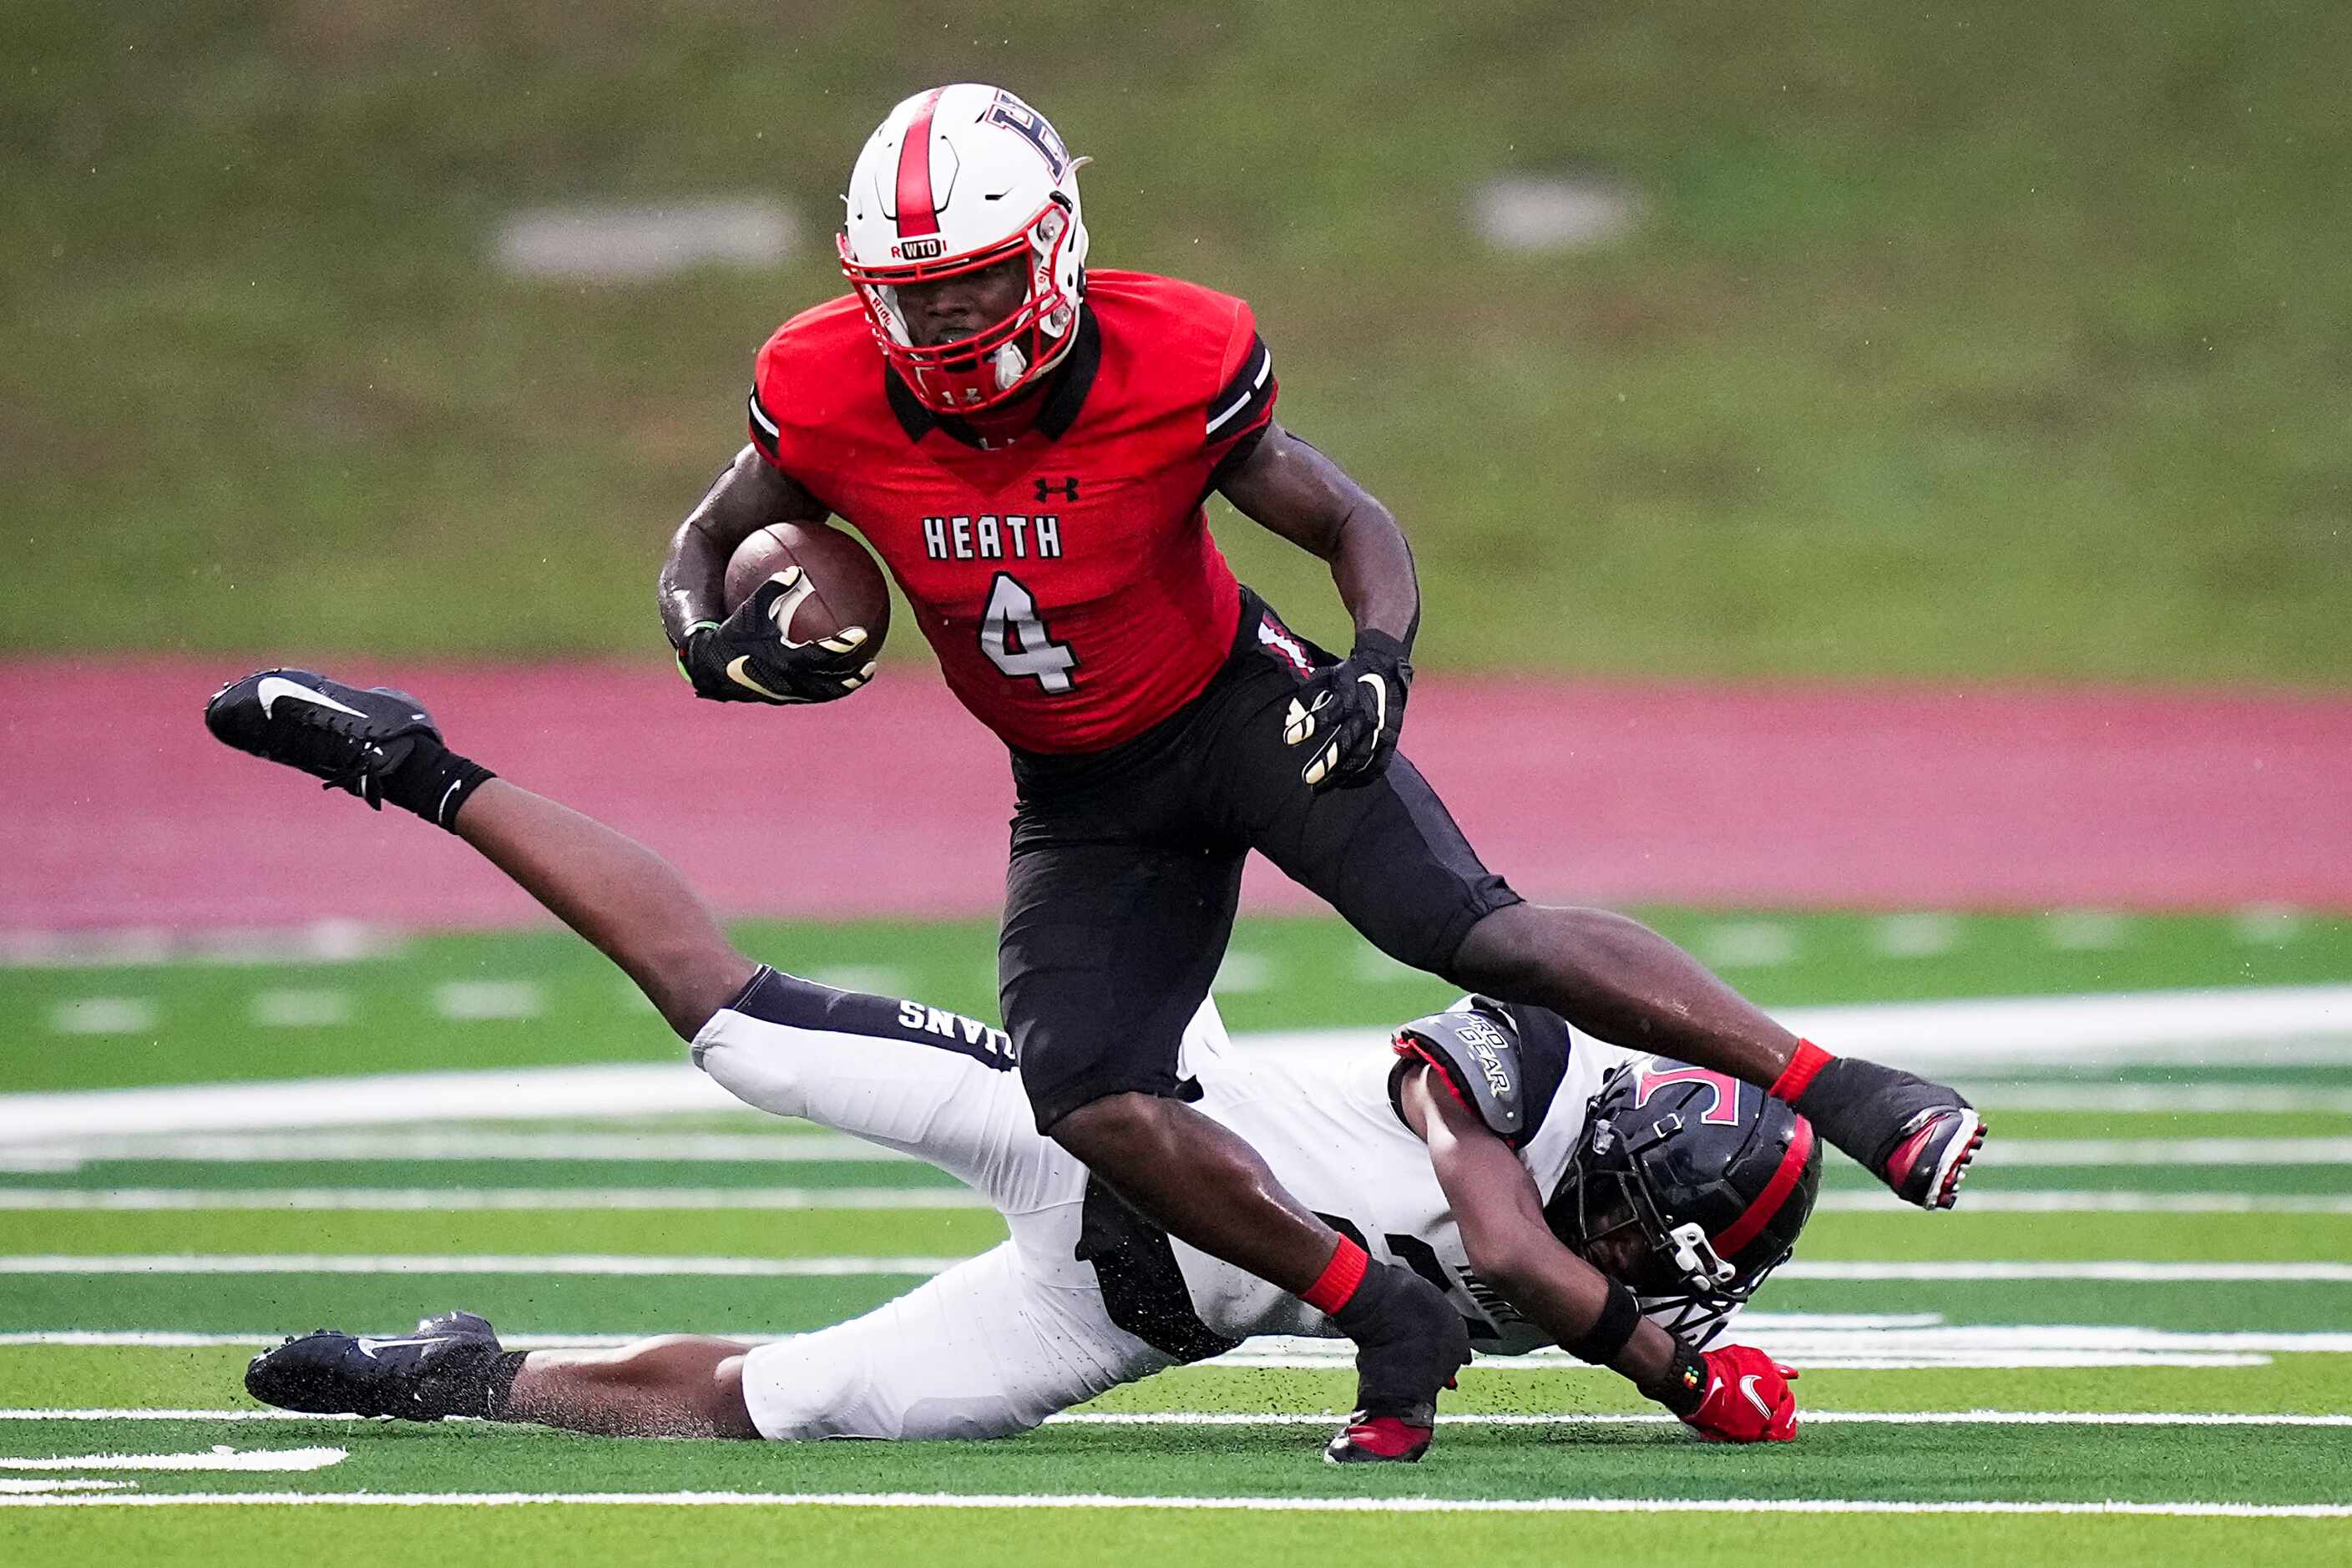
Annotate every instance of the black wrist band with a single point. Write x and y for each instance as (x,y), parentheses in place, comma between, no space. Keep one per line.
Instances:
(1605,1341)
(1683,1388)
(1384,647)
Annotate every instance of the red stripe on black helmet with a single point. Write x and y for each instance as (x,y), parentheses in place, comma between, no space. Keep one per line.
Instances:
(918,212)
(1776,1192)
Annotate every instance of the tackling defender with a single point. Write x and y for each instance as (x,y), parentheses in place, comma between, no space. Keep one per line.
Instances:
(1534,1179)
(1029,451)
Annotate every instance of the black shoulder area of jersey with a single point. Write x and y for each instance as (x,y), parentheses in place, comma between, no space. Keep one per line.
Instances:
(1543,1060)
(774,998)
(1241,403)
(765,431)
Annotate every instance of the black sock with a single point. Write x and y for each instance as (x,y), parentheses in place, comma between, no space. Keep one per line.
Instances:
(471,1378)
(1844,1088)
(1369,1303)
(502,1374)
(433,781)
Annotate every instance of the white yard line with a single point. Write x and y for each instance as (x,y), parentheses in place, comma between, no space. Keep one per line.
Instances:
(2165,1099)
(1660,1418)
(320,942)
(252,1460)
(1792,1338)
(436,1144)
(479,1001)
(1826,1341)
(229,1415)
(2107,1271)
(621,1088)
(2308,1023)
(2104,1269)
(1927,935)
(1321,1418)
(1097,1501)
(173,1339)
(1877,1200)
(455,1200)
(469,1200)
(2103,1151)
(104,1015)
(467,1263)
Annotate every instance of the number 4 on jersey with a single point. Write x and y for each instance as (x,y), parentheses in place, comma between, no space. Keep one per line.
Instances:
(1017,641)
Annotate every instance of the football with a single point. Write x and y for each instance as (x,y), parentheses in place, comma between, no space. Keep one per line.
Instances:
(846,585)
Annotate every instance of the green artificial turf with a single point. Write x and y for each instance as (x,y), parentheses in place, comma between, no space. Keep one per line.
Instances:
(725,1537)
(1317,973)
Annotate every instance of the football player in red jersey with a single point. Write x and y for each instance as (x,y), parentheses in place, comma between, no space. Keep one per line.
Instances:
(1029,452)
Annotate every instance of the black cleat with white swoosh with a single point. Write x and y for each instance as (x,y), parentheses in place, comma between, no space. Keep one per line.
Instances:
(446,1368)
(346,736)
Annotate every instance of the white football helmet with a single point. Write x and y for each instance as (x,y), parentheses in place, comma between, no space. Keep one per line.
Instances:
(954,180)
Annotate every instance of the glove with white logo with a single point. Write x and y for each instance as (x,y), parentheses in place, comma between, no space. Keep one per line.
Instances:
(749,657)
(1743,1397)
(1349,715)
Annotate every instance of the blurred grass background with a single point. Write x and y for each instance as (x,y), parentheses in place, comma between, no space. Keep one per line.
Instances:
(2004,340)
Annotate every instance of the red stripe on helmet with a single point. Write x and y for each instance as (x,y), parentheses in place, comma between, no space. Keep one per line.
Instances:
(1767,1203)
(918,214)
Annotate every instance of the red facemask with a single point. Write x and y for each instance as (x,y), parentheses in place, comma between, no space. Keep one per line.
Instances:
(996,363)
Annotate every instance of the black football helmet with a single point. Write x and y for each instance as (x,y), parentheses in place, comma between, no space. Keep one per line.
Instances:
(1688,1188)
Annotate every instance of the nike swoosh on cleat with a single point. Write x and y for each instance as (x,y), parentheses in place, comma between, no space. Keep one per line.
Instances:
(368,1347)
(735,673)
(274,687)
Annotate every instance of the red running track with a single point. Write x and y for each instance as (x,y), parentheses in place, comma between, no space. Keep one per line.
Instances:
(116,810)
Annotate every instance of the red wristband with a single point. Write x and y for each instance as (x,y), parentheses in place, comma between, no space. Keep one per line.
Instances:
(1798,1076)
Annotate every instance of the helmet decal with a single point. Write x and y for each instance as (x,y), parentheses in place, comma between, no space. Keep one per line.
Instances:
(911,219)
(1723,1110)
(1014,115)
(918,212)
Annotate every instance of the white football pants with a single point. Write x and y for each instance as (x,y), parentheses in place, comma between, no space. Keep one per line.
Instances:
(995,1344)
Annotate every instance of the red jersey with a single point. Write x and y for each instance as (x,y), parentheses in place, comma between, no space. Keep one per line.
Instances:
(1063,572)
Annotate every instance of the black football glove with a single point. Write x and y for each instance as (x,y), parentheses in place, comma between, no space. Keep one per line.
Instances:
(747,658)
(1349,713)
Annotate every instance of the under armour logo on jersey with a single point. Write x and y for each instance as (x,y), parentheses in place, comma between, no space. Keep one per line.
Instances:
(1067,490)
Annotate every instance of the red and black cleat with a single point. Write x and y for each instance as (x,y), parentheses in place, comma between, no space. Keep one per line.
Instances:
(1932,1157)
(1380,1440)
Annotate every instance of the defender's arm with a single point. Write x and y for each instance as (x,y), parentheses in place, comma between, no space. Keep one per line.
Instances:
(1289,487)
(1495,1203)
(748,495)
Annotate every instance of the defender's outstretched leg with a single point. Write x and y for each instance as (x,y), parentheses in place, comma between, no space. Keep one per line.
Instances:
(676,1386)
(382,745)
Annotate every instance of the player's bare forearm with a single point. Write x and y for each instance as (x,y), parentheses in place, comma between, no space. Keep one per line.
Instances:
(1504,1232)
(748,495)
(628,901)
(1289,487)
